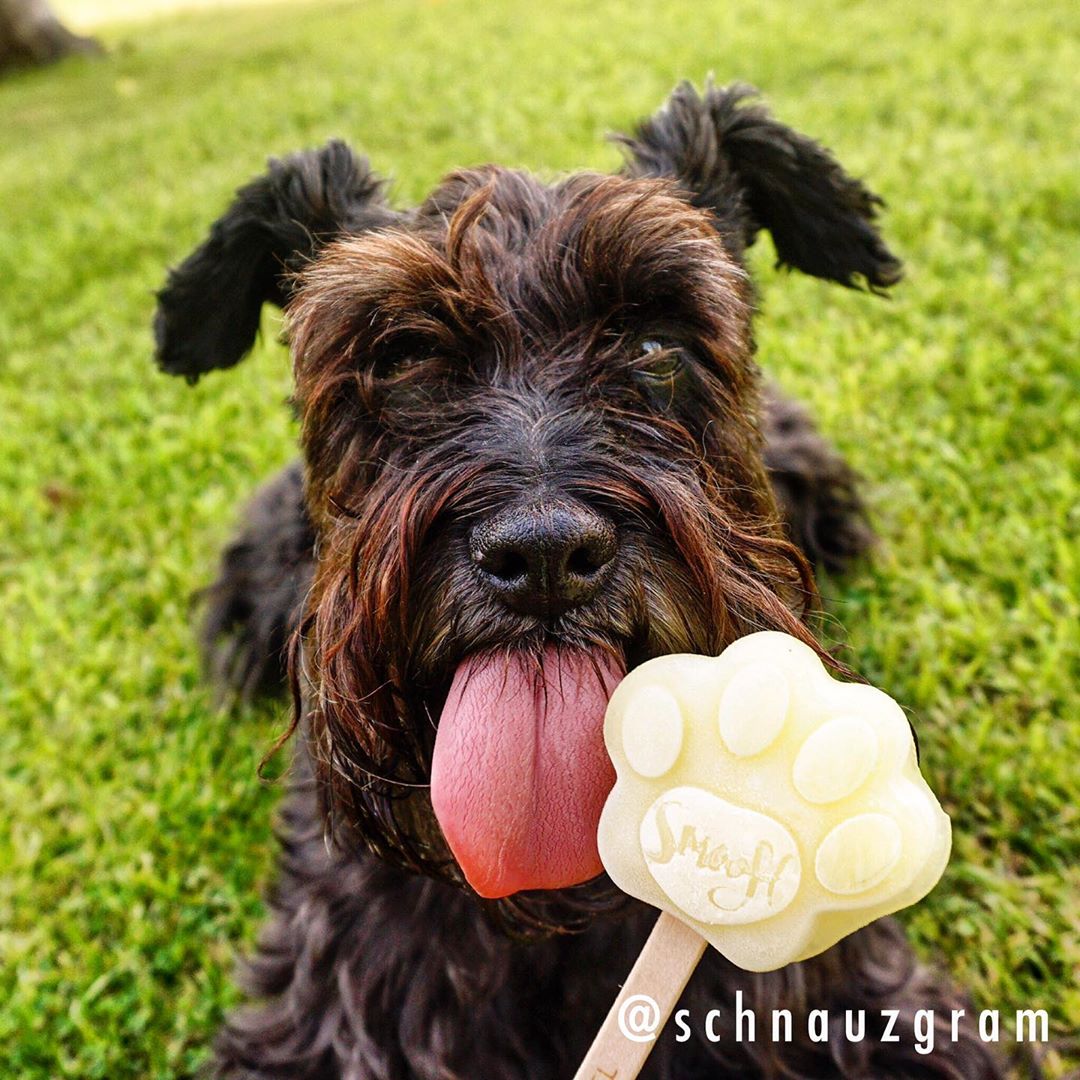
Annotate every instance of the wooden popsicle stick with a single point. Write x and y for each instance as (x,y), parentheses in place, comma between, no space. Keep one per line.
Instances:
(644,1004)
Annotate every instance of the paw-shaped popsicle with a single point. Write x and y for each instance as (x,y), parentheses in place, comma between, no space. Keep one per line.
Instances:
(770,807)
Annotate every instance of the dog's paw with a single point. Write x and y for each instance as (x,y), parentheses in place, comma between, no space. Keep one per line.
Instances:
(773,808)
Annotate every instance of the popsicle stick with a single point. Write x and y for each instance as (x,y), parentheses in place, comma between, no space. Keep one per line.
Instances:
(654,984)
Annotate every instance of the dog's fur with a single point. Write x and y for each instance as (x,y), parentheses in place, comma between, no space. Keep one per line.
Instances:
(458,361)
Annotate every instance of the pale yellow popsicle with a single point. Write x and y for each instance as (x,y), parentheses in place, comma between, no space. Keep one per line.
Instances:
(767,805)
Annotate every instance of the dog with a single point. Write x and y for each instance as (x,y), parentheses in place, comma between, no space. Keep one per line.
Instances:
(536,448)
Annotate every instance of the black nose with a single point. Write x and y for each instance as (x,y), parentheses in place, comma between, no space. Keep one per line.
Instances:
(544,558)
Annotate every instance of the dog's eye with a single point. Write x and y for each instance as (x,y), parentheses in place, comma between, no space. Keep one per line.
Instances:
(389,363)
(657,361)
(658,369)
(388,368)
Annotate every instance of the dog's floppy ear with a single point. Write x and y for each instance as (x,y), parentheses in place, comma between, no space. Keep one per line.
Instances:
(755,173)
(208,311)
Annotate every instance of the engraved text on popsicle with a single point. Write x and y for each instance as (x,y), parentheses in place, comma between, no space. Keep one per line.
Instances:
(718,861)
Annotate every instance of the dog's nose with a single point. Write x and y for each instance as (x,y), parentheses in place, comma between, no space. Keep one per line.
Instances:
(544,558)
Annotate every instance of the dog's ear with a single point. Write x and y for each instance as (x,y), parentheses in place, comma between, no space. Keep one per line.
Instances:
(208,311)
(754,173)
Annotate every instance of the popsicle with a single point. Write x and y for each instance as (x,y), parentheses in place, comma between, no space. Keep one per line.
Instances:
(765,807)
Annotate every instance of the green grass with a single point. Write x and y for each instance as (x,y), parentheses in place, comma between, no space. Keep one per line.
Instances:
(134,835)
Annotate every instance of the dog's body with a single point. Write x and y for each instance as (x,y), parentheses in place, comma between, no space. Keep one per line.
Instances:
(533,435)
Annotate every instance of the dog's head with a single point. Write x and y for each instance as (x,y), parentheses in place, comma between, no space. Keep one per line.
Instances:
(529,419)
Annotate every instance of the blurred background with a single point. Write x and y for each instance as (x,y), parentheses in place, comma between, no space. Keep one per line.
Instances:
(135,836)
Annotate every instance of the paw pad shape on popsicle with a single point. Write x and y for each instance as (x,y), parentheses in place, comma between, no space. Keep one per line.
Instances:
(769,806)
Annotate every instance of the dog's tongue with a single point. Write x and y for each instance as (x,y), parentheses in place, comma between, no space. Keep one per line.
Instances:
(520,773)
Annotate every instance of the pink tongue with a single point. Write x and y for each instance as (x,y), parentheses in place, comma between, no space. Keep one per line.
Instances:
(520,773)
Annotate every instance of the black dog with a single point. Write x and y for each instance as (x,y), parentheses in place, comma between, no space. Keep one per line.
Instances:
(534,442)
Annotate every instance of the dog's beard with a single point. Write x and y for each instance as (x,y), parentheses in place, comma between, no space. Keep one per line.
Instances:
(396,610)
(376,771)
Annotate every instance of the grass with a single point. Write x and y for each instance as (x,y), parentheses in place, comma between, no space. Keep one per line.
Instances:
(134,835)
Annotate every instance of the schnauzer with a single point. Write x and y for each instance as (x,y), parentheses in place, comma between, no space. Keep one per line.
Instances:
(536,453)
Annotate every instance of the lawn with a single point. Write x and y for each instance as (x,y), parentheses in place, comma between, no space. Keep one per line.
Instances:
(134,834)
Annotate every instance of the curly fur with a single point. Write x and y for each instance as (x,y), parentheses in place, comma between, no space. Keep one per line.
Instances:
(208,310)
(255,605)
(754,173)
(815,488)
(451,363)
(369,973)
